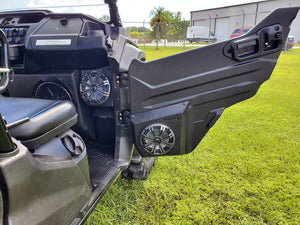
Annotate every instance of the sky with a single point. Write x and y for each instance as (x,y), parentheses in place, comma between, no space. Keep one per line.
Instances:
(130,10)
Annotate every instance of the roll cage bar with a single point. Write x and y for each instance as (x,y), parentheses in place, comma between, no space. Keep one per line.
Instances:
(114,13)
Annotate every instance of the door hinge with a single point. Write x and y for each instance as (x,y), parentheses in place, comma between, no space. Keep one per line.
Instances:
(122,80)
(124,117)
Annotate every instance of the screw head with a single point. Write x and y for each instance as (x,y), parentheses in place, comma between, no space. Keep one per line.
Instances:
(278,35)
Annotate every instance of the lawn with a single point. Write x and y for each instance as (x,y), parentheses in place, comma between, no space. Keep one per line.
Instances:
(245,171)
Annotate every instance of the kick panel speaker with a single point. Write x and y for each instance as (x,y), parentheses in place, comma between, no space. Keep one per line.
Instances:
(94,87)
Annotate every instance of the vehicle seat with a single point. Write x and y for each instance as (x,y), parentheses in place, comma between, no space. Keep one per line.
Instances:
(36,121)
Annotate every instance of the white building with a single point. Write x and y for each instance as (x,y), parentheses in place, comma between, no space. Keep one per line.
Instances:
(223,21)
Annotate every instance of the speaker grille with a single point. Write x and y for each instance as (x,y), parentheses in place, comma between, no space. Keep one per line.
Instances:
(94,88)
(157,139)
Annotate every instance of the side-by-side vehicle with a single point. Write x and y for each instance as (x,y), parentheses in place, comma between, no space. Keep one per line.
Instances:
(79,105)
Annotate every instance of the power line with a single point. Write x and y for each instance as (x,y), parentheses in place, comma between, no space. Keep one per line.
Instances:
(135,22)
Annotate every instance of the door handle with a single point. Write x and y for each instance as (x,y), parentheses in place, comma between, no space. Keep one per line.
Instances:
(265,41)
(246,48)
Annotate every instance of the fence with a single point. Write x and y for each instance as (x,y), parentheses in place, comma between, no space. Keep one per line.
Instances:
(170,34)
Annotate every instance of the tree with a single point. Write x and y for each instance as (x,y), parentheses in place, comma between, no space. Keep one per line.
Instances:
(160,18)
(136,35)
(140,33)
(138,29)
(177,28)
(105,18)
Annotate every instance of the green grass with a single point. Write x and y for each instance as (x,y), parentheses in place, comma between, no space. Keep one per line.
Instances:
(152,54)
(245,171)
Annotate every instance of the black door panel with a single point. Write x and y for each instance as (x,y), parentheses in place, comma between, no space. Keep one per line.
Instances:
(183,95)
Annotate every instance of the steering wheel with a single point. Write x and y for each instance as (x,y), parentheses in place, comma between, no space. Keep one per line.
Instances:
(4,66)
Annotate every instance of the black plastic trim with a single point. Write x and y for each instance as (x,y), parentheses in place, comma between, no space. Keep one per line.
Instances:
(188,91)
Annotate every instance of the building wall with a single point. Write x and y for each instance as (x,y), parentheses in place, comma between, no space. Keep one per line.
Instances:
(247,15)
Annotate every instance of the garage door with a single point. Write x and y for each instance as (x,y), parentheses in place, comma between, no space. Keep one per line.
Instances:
(222,29)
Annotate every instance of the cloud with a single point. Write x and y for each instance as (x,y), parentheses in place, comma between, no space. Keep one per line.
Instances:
(13,4)
(130,10)
(96,11)
(137,10)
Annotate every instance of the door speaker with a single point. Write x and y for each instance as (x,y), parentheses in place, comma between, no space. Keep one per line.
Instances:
(157,139)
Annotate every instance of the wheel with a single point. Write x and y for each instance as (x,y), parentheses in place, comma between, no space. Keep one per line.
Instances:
(139,167)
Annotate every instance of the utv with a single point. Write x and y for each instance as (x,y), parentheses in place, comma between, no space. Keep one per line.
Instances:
(79,105)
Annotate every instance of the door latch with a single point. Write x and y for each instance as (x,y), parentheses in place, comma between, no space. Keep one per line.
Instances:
(265,41)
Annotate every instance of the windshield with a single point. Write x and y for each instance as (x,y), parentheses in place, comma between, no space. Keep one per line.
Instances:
(236,31)
(95,8)
(245,30)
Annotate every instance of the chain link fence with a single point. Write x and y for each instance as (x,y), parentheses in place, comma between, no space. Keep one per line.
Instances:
(170,34)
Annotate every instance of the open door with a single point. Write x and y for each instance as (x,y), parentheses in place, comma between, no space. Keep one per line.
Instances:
(177,99)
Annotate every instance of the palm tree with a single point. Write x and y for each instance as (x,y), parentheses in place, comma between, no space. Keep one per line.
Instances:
(160,17)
